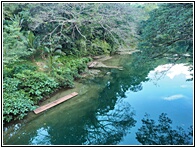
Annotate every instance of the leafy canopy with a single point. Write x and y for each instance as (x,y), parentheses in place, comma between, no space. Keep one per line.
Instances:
(169,30)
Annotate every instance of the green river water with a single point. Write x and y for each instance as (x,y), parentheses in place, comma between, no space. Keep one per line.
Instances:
(110,106)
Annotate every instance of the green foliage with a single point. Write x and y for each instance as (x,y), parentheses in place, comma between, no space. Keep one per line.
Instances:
(52,52)
(10,70)
(150,6)
(16,103)
(50,31)
(168,31)
(7,71)
(14,42)
(100,46)
(89,28)
(10,9)
(20,68)
(37,84)
(65,77)
(72,67)
(22,82)
(31,41)
(24,90)
(10,84)
(111,23)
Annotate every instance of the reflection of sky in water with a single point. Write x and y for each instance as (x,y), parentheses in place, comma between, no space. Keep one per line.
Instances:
(174,97)
(170,71)
(42,137)
(167,91)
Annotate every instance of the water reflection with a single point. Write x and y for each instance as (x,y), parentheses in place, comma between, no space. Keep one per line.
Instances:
(130,78)
(174,97)
(42,137)
(171,71)
(88,126)
(109,128)
(95,128)
(163,133)
(107,116)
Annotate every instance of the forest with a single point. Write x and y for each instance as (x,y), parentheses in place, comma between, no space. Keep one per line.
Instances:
(46,46)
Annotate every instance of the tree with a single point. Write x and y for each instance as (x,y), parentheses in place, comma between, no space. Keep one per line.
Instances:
(95,27)
(168,31)
(14,41)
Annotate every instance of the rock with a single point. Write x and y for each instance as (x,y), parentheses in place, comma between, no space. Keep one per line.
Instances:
(92,64)
(127,52)
(99,57)
(97,65)
(94,71)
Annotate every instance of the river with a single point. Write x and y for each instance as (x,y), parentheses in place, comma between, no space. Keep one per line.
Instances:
(110,106)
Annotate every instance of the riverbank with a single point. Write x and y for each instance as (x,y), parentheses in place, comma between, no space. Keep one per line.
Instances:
(88,73)
(84,86)
(100,62)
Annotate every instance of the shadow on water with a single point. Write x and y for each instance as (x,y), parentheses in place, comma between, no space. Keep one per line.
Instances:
(98,115)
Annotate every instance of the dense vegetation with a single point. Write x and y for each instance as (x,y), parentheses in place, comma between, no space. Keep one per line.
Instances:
(168,31)
(46,46)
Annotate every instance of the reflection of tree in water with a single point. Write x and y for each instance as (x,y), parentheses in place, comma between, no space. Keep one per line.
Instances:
(109,128)
(162,133)
(109,119)
(98,128)
(93,128)
(113,118)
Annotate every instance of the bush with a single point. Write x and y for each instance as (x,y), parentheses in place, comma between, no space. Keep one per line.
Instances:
(64,76)
(23,86)
(23,91)
(101,47)
(7,72)
(20,68)
(16,103)
(10,70)
(37,84)
(72,67)
(75,63)
(14,42)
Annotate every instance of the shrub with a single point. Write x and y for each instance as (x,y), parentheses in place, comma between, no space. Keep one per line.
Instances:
(10,70)
(7,72)
(16,103)
(65,77)
(20,68)
(37,84)
(72,67)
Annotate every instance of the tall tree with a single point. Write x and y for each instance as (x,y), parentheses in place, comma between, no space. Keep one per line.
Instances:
(95,27)
(169,30)
(14,41)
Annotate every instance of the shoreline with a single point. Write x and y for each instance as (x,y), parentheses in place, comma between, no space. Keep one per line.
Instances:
(90,72)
